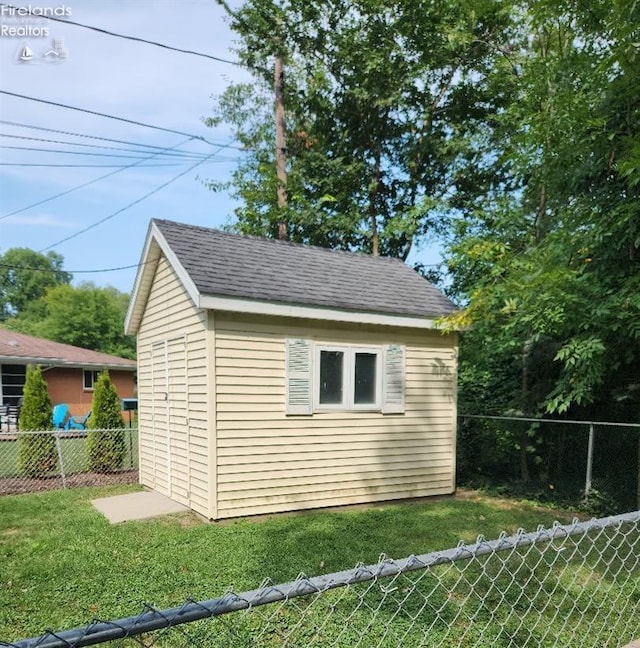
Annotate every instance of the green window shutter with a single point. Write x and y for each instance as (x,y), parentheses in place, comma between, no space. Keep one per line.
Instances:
(299,395)
(393,386)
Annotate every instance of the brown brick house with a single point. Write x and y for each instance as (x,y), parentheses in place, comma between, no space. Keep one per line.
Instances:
(69,371)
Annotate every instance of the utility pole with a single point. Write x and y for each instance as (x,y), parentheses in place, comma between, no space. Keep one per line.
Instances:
(281,145)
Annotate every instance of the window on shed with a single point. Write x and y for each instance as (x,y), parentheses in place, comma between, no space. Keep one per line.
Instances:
(365,378)
(323,378)
(348,378)
(330,388)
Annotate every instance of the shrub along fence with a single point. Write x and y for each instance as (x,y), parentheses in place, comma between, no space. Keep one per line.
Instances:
(553,459)
(571,585)
(35,461)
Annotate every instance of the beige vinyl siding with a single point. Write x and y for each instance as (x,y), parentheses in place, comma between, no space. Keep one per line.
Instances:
(269,462)
(173,392)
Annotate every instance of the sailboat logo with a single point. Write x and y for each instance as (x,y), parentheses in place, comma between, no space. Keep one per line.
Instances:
(25,53)
(54,54)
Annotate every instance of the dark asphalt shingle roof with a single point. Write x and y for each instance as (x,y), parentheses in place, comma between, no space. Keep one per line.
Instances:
(232,265)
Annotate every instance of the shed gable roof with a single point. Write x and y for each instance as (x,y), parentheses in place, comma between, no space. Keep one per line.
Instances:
(19,348)
(212,263)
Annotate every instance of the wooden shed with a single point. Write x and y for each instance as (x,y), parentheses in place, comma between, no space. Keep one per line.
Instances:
(274,376)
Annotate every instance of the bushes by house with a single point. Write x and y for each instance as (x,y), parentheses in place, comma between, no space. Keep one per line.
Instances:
(105,438)
(36,452)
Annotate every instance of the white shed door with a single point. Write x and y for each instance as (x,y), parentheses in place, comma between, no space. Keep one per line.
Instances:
(178,421)
(170,422)
(159,415)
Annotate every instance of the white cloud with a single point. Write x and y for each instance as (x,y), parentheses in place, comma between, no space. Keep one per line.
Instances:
(42,220)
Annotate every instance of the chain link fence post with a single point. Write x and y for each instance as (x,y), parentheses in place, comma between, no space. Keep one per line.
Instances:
(589,473)
(60,460)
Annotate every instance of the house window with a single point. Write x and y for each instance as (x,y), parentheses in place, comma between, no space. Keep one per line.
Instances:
(348,378)
(13,378)
(90,378)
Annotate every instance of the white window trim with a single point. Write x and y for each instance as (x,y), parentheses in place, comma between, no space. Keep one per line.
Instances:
(348,379)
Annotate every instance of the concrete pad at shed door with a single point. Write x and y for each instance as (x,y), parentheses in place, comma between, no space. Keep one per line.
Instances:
(136,506)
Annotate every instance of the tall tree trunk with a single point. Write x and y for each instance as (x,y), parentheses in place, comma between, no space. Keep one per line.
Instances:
(375,243)
(281,144)
(524,464)
(373,216)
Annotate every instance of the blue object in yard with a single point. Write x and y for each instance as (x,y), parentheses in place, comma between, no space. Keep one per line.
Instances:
(60,414)
(77,422)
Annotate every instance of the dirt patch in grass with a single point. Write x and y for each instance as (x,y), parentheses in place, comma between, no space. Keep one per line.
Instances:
(19,485)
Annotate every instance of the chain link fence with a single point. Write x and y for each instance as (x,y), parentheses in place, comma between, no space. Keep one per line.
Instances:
(554,460)
(36,461)
(571,585)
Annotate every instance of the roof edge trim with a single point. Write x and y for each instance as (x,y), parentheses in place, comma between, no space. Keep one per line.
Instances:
(260,307)
(155,244)
(67,364)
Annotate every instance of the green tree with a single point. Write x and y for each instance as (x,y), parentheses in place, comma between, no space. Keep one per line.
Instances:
(380,101)
(547,261)
(36,452)
(25,277)
(105,439)
(86,316)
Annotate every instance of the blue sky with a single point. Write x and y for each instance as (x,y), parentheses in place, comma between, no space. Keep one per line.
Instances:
(127,79)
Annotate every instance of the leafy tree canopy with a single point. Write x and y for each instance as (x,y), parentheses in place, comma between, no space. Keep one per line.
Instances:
(548,260)
(25,277)
(37,299)
(380,101)
(86,316)
(511,129)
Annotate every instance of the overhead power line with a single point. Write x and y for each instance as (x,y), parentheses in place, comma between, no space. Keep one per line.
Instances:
(122,119)
(140,154)
(107,175)
(43,165)
(53,270)
(126,207)
(130,38)
(103,139)
(90,182)
(174,153)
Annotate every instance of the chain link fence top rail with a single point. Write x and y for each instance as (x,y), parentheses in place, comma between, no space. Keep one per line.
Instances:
(36,461)
(568,585)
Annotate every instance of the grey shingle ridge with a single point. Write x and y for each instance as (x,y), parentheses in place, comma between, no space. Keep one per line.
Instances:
(249,267)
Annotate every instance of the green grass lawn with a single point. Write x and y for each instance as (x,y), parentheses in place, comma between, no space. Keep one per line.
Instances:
(62,564)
